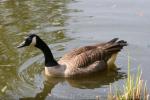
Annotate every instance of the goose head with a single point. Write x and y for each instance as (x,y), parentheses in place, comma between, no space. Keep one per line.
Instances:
(29,40)
(35,40)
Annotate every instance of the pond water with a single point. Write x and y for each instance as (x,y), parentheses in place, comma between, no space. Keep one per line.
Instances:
(64,25)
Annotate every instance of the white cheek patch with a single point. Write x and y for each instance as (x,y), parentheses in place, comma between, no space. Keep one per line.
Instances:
(33,41)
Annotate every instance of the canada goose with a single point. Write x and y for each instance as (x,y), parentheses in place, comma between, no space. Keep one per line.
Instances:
(80,61)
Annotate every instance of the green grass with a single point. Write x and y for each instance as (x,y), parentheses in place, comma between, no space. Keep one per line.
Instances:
(132,90)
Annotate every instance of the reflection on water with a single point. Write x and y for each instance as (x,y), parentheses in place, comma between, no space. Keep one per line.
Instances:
(52,86)
(18,18)
(54,21)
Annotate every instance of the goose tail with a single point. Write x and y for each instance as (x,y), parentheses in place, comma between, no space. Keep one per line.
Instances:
(112,48)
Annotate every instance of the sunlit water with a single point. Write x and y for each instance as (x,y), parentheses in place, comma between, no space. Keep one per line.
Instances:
(64,25)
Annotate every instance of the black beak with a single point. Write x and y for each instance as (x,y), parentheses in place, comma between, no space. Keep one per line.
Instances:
(23,44)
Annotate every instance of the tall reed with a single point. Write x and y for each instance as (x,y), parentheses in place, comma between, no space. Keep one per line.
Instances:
(132,90)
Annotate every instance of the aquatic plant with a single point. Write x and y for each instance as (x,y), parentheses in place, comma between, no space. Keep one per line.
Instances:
(132,90)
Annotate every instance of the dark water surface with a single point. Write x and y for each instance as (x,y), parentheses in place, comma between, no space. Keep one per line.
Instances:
(64,25)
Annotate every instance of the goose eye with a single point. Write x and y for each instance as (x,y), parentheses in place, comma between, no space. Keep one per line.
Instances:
(28,39)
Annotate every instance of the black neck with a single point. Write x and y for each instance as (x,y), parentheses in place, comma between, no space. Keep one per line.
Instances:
(49,59)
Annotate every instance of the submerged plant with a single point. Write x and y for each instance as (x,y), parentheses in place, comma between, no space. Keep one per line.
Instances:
(132,90)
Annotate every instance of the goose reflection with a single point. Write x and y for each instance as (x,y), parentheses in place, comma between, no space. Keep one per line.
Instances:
(92,81)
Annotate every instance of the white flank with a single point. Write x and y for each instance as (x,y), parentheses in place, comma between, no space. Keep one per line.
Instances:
(112,60)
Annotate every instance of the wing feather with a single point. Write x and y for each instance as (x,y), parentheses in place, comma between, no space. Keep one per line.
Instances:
(89,57)
(85,56)
(83,59)
(77,52)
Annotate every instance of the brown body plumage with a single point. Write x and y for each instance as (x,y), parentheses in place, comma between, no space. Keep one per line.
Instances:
(81,61)
(90,59)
